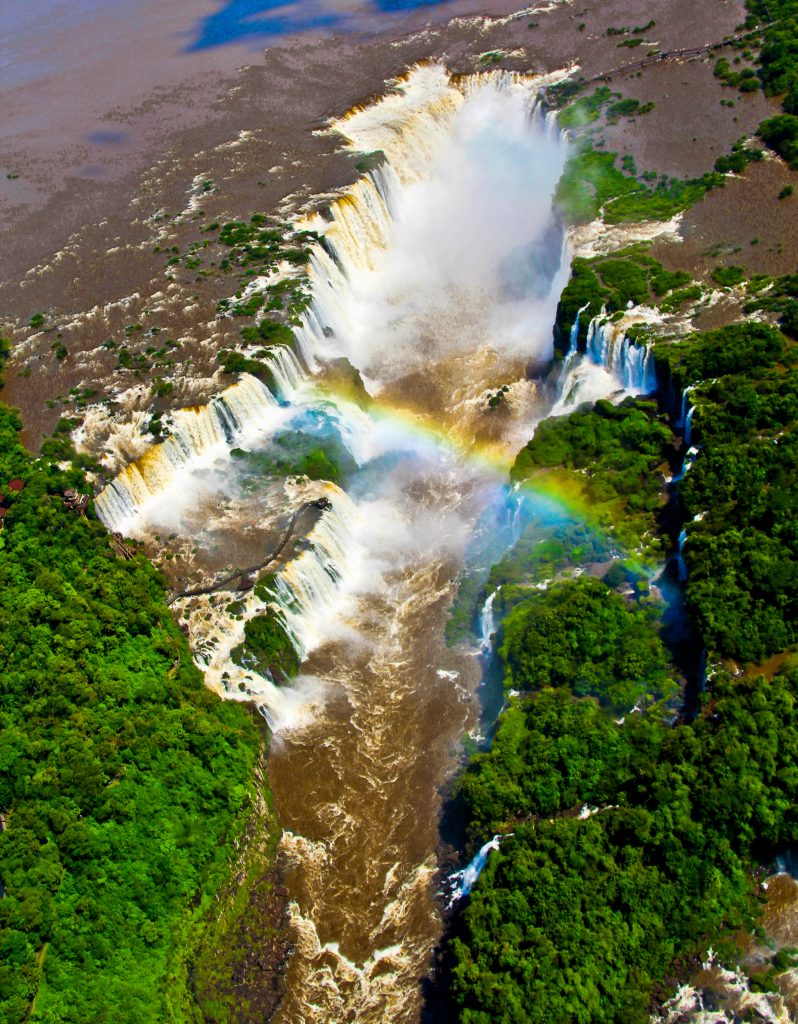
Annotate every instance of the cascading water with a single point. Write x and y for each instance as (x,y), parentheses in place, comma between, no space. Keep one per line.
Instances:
(463,881)
(611,366)
(681,565)
(304,596)
(487,623)
(437,277)
(632,364)
(688,424)
(198,437)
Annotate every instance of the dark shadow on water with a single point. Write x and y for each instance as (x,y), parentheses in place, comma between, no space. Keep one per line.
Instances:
(258,20)
(107,138)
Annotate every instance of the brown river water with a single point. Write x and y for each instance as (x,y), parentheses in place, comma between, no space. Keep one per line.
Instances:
(438,280)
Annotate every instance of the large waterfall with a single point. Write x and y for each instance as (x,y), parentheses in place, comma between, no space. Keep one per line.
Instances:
(437,276)
(303,595)
(198,436)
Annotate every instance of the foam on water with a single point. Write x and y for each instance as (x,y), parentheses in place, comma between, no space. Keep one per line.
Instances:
(442,266)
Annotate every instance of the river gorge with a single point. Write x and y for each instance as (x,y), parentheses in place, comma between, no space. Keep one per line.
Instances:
(434,283)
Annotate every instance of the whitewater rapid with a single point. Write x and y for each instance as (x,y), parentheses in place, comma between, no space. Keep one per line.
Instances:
(437,278)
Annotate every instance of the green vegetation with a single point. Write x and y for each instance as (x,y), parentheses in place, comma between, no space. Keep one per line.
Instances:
(486,60)
(596,490)
(592,184)
(629,275)
(778,58)
(740,495)
(579,633)
(739,348)
(742,552)
(628,108)
(780,298)
(781,134)
(739,158)
(295,453)
(745,79)
(579,918)
(727,277)
(586,109)
(236,362)
(267,649)
(123,780)
(778,72)
(609,459)
(591,916)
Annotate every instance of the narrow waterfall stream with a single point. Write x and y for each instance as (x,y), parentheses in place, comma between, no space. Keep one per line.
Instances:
(437,279)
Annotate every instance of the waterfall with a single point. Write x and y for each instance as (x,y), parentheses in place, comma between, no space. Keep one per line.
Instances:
(574,339)
(685,405)
(688,424)
(286,370)
(612,366)
(631,364)
(198,435)
(681,565)
(409,126)
(463,881)
(516,507)
(355,232)
(487,623)
(308,586)
(303,595)
(687,464)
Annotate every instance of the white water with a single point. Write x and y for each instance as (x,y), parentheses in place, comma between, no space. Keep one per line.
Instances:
(611,366)
(464,880)
(487,623)
(443,253)
(154,488)
(681,565)
(438,278)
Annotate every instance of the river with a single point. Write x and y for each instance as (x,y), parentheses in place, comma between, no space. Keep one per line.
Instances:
(437,279)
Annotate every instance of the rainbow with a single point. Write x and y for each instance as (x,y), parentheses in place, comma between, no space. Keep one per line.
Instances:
(557,494)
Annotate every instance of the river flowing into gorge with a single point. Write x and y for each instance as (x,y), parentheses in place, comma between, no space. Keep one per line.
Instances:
(437,279)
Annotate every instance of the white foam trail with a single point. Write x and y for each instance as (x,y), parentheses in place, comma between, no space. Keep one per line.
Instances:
(466,879)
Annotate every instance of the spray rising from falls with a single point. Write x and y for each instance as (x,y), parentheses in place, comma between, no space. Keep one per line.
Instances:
(198,437)
(437,276)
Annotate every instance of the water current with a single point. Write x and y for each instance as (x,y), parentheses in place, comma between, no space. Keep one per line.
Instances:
(437,279)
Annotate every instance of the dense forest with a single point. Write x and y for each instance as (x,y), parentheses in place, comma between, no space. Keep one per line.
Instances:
(123,780)
(638,806)
(630,843)
(633,837)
